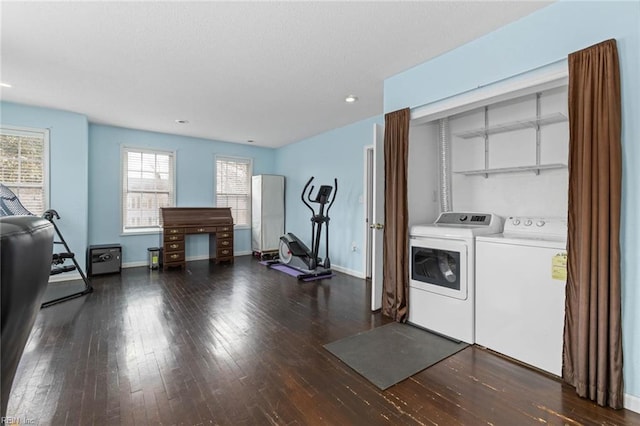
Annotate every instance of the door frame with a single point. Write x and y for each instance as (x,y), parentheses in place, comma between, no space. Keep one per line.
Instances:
(369,159)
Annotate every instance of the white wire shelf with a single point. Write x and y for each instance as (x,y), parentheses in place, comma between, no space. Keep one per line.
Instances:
(534,168)
(514,125)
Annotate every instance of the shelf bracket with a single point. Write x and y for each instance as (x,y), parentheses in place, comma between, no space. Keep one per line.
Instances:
(538,135)
(486,140)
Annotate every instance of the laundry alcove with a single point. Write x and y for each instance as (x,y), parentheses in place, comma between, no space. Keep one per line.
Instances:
(508,149)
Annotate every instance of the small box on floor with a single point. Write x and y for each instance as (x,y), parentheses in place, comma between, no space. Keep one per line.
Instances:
(104,259)
(154,254)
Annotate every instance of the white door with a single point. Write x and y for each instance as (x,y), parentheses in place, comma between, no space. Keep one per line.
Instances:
(378,217)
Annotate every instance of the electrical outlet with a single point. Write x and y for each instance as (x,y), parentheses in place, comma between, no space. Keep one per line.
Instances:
(354,246)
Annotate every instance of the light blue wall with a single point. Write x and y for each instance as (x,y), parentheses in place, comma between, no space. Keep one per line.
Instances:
(339,154)
(539,39)
(68,157)
(195,161)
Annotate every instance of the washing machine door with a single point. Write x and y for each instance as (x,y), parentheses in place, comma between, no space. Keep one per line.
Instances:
(439,266)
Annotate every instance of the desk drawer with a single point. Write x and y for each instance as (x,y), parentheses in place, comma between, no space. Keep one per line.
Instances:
(201,229)
(226,243)
(170,246)
(173,237)
(177,256)
(224,234)
(173,231)
(224,253)
(226,228)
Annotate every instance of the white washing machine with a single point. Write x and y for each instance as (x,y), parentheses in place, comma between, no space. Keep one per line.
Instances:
(441,268)
(520,291)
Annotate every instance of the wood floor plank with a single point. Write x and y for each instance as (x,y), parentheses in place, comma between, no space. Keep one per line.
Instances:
(242,344)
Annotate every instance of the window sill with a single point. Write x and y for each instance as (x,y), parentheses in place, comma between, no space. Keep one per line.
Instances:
(141,231)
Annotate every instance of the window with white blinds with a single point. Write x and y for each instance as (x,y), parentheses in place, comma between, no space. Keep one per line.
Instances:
(24,160)
(233,187)
(148,183)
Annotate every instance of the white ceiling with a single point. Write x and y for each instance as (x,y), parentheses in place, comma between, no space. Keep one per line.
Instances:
(273,72)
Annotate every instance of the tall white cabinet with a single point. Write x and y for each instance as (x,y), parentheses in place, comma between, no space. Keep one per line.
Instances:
(267,213)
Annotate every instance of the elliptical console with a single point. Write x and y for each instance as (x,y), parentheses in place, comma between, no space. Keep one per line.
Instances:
(294,253)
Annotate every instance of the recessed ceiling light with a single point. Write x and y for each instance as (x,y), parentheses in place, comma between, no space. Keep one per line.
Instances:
(182,121)
(351,99)
(5,85)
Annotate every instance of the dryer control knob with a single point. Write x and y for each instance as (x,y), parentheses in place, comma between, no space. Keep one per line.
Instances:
(528,222)
(540,223)
(516,222)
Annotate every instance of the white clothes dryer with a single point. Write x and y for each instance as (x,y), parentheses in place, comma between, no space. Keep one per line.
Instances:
(441,268)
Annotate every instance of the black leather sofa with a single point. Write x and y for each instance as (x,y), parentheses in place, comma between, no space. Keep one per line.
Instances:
(26,247)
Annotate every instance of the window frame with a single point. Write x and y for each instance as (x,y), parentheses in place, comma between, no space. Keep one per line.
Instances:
(246,160)
(46,168)
(124,150)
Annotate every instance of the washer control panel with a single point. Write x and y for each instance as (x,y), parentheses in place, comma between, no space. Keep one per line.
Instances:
(536,225)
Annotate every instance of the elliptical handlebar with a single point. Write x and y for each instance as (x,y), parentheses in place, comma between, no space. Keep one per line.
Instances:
(335,192)
(302,195)
(309,198)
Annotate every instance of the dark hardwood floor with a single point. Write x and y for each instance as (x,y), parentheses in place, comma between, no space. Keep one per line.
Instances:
(241,344)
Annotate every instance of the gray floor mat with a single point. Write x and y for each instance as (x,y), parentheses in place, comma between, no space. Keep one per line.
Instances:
(389,354)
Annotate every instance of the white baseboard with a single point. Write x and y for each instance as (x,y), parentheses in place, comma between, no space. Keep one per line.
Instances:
(348,271)
(189,259)
(632,402)
(134,264)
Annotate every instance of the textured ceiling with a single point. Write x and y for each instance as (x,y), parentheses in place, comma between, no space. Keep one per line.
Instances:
(273,72)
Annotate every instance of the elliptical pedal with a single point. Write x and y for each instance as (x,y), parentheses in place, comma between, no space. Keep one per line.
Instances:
(328,273)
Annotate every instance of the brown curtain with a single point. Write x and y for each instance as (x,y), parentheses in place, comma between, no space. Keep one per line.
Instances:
(592,336)
(396,239)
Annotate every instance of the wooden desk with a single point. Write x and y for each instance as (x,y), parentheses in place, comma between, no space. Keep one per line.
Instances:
(179,222)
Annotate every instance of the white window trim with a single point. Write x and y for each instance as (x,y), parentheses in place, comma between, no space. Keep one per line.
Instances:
(25,131)
(215,191)
(152,229)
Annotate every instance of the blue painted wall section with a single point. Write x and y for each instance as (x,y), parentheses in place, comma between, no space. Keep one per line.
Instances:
(195,180)
(543,37)
(68,176)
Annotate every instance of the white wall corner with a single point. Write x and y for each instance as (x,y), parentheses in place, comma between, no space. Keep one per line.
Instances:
(357,274)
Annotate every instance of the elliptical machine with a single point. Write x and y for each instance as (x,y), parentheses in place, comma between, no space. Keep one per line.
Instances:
(294,253)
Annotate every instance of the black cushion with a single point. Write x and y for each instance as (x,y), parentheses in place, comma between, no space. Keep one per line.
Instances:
(26,247)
